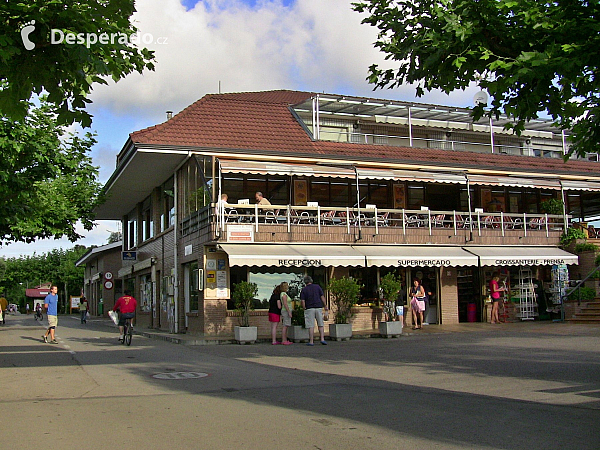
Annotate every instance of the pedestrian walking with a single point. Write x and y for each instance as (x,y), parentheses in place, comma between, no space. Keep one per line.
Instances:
(3,308)
(417,303)
(313,302)
(27,308)
(51,305)
(83,309)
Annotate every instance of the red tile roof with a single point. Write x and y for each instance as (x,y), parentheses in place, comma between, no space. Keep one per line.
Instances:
(262,121)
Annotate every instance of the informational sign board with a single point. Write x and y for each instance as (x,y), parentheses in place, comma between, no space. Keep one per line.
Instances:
(129,256)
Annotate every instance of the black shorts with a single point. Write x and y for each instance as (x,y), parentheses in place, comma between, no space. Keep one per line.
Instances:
(123,317)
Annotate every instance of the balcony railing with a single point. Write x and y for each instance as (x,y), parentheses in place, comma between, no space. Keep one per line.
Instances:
(549,150)
(378,219)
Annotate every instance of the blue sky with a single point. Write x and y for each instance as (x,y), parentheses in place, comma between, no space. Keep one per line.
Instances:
(244,45)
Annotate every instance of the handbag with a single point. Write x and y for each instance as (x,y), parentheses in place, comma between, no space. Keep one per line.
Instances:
(87,315)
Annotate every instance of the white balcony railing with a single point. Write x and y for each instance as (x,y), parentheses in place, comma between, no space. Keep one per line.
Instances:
(375,218)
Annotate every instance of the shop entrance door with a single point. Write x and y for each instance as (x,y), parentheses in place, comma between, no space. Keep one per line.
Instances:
(470,305)
(429,277)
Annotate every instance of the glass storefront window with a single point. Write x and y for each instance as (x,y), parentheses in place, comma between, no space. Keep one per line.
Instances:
(416,196)
(319,191)
(339,193)
(267,279)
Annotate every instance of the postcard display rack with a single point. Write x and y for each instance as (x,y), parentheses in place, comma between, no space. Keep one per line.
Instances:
(525,295)
(558,287)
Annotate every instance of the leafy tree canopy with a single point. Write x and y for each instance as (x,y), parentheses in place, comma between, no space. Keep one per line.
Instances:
(47,180)
(531,56)
(64,71)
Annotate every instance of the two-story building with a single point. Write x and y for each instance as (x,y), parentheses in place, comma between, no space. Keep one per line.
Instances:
(357,187)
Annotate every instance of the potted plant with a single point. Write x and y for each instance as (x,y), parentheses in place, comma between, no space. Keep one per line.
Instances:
(390,286)
(552,206)
(344,293)
(243,297)
(297,332)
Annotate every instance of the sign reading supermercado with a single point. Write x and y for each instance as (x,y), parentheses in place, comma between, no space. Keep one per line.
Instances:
(424,262)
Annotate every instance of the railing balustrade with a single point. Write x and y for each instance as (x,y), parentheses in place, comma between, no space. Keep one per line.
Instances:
(404,219)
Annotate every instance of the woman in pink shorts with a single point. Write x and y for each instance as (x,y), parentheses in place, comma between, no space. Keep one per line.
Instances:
(417,303)
(274,313)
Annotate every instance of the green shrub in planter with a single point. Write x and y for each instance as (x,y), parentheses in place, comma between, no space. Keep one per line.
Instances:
(587,294)
(390,286)
(243,297)
(344,293)
(571,235)
(586,247)
(298,315)
(552,206)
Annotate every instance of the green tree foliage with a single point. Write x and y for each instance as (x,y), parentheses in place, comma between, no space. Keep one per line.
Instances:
(47,180)
(56,267)
(530,56)
(65,71)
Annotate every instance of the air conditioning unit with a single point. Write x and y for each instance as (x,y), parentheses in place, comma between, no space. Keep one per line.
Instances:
(592,157)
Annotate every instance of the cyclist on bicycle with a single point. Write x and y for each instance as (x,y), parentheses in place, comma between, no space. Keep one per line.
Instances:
(126,306)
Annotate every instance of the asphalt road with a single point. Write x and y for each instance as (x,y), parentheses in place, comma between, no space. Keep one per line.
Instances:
(527,386)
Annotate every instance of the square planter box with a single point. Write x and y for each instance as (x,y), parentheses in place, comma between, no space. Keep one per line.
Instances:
(340,331)
(245,334)
(390,329)
(297,333)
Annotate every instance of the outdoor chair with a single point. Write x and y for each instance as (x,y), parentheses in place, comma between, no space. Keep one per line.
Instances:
(438,220)
(414,221)
(382,219)
(327,218)
(462,222)
(232,216)
(272,216)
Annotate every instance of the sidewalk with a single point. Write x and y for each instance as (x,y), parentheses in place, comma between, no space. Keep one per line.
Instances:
(188,339)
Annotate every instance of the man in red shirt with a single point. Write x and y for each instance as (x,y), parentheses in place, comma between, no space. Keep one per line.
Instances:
(126,306)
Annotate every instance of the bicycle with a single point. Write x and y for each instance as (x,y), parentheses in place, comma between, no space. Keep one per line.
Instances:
(127,332)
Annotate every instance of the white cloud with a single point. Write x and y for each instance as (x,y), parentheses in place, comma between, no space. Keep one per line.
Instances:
(311,45)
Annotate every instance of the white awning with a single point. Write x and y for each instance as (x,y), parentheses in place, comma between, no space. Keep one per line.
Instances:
(318,170)
(522,256)
(522,182)
(570,185)
(292,255)
(271,168)
(416,256)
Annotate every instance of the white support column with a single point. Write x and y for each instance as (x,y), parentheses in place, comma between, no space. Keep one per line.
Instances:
(410,137)
(492,133)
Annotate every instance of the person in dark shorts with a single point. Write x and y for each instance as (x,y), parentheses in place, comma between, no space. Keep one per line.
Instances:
(126,306)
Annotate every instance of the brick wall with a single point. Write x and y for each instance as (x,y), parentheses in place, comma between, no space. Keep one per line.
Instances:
(449,295)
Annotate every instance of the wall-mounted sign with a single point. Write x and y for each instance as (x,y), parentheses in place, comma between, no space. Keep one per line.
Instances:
(240,233)
(108,284)
(108,276)
(129,256)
